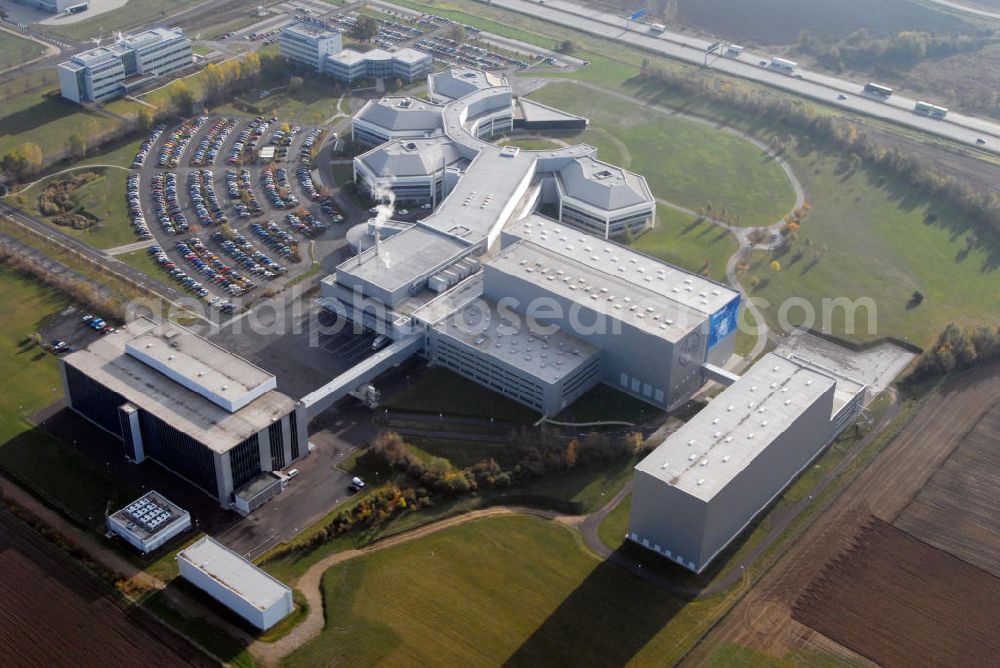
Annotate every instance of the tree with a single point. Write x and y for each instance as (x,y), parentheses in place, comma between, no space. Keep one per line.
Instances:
(76,146)
(181,97)
(775,265)
(566,46)
(365,29)
(917,298)
(14,164)
(572,450)
(32,158)
(456,33)
(144,118)
(295,84)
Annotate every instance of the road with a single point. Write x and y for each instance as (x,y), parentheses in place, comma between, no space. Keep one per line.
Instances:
(966,9)
(823,88)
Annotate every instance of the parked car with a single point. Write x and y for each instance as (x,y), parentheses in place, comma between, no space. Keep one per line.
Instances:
(357,484)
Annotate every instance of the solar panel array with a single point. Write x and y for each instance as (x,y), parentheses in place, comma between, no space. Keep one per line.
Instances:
(148,513)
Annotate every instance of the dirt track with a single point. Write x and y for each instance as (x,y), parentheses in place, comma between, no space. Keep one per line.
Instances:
(762,620)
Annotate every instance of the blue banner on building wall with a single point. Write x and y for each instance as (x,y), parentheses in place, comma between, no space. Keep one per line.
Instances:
(723,322)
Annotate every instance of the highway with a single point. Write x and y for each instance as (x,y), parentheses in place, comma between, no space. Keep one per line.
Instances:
(820,87)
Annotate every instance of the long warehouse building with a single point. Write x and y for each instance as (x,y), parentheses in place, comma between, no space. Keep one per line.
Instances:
(696,492)
(204,413)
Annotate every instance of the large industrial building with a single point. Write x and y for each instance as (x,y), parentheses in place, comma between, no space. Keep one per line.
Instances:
(235,582)
(129,64)
(53,6)
(208,415)
(320,47)
(708,480)
(538,308)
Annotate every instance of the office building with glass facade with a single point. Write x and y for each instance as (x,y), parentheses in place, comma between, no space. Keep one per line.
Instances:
(202,412)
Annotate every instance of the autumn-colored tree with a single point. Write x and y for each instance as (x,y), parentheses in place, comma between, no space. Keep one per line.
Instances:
(775,265)
(76,146)
(572,451)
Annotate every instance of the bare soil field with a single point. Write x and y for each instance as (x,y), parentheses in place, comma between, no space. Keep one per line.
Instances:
(762,619)
(958,511)
(53,614)
(902,602)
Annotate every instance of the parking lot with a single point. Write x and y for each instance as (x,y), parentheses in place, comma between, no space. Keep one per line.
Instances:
(226,222)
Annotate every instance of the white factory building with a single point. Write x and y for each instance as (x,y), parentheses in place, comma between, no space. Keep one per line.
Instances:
(319,47)
(129,64)
(206,414)
(696,492)
(235,582)
(462,285)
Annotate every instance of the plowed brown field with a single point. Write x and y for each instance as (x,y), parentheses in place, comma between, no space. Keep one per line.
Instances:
(762,619)
(53,614)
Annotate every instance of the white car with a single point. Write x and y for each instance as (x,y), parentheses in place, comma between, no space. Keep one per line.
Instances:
(357,484)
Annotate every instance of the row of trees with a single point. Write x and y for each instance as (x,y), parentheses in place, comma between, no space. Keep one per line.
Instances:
(82,291)
(901,51)
(957,349)
(981,208)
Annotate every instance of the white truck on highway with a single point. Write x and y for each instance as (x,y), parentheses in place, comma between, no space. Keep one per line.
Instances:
(734,50)
(657,28)
(786,66)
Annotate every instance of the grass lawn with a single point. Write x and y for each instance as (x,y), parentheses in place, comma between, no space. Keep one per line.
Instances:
(695,245)
(218,642)
(442,391)
(531,144)
(502,589)
(604,402)
(314,104)
(43,117)
(104,198)
(882,241)
(143,261)
(16,50)
(687,163)
(614,527)
(51,469)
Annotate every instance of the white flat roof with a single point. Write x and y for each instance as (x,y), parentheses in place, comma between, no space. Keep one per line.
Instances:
(234,573)
(106,361)
(220,376)
(714,446)
(403,258)
(547,353)
(610,294)
(666,280)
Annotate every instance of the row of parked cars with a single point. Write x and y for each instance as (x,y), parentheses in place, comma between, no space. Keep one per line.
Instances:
(204,199)
(277,189)
(168,209)
(179,275)
(214,269)
(305,224)
(237,184)
(177,142)
(135,207)
(241,250)
(209,147)
(276,238)
(147,145)
(249,138)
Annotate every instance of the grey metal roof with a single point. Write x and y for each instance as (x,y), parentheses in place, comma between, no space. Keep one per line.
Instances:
(536,112)
(604,186)
(401,113)
(235,573)
(714,446)
(548,354)
(411,157)
(457,82)
(648,273)
(403,258)
(580,282)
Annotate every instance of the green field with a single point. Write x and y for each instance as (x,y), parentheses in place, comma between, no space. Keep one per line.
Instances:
(614,527)
(687,163)
(314,104)
(105,198)
(883,240)
(46,119)
(16,50)
(697,246)
(443,391)
(50,469)
(511,589)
